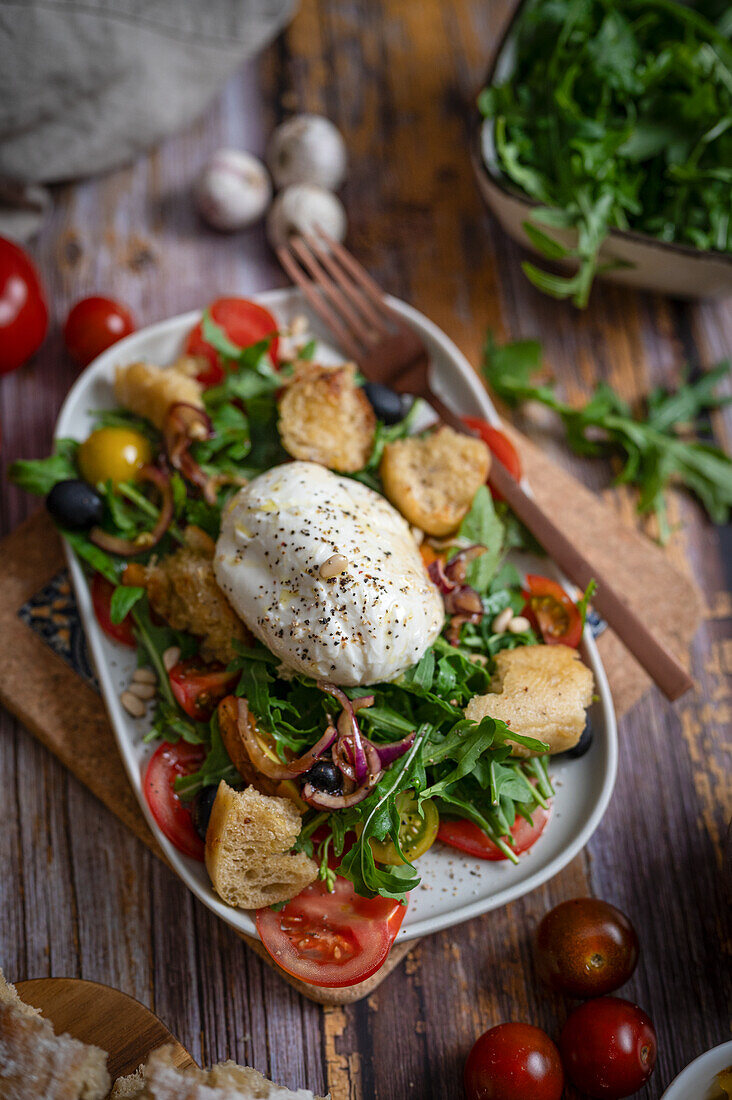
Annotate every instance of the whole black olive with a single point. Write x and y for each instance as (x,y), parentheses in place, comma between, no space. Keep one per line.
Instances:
(582,745)
(389,406)
(201,809)
(75,505)
(325,776)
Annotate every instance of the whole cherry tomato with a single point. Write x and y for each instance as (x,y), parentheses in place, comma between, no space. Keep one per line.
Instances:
(23,310)
(93,325)
(608,1048)
(585,947)
(514,1062)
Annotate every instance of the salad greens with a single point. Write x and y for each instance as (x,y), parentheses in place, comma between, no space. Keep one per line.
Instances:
(653,446)
(617,115)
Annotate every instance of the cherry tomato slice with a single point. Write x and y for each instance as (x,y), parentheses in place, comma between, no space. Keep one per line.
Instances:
(199,687)
(550,609)
(101,594)
(244,322)
(331,940)
(469,837)
(23,309)
(93,325)
(173,817)
(514,1062)
(500,446)
(608,1048)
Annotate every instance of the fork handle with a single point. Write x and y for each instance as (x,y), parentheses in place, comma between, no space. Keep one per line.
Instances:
(446,415)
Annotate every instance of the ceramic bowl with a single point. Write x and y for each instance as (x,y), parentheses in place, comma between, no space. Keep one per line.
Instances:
(696,1082)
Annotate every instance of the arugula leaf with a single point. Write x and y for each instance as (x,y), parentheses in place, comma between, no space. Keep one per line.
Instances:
(123,600)
(584,601)
(216,767)
(483,527)
(99,560)
(653,448)
(39,475)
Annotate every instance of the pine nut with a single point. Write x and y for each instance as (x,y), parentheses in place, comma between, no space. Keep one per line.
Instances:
(132,704)
(502,620)
(144,676)
(334,565)
(171,657)
(143,691)
(519,625)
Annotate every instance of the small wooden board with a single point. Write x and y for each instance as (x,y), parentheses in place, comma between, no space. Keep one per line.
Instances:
(67,715)
(104,1017)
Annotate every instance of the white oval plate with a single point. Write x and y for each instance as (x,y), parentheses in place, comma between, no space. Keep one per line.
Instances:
(454,887)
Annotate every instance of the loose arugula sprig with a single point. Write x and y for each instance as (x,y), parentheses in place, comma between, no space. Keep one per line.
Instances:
(617,114)
(654,452)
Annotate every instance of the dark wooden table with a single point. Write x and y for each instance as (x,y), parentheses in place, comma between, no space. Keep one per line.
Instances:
(81,897)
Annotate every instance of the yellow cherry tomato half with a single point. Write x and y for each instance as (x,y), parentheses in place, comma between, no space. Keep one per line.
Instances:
(113,454)
(417,831)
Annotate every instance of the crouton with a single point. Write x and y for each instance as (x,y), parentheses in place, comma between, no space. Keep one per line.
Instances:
(325,417)
(36,1063)
(432,479)
(248,849)
(538,691)
(149,391)
(161,1079)
(182,589)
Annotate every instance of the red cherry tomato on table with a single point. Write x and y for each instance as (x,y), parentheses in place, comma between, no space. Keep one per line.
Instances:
(23,310)
(199,687)
(101,594)
(608,1048)
(331,939)
(167,763)
(470,838)
(585,947)
(514,1062)
(550,609)
(244,322)
(500,446)
(93,325)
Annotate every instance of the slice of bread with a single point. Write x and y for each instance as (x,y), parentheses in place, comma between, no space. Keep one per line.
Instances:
(160,1079)
(248,849)
(36,1064)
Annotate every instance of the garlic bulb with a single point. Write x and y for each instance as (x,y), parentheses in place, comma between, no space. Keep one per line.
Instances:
(307,149)
(233,191)
(302,209)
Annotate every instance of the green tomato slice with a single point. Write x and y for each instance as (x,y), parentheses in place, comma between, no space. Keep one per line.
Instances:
(417,831)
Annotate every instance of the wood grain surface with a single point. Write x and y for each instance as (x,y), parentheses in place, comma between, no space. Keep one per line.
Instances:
(80,895)
(103,1017)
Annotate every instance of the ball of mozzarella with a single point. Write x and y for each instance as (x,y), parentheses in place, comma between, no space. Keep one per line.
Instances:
(307,149)
(233,190)
(326,573)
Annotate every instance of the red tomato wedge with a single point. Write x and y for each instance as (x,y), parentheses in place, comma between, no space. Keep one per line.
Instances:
(550,609)
(101,594)
(174,818)
(331,940)
(469,838)
(500,446)
(199,687)
(244,322)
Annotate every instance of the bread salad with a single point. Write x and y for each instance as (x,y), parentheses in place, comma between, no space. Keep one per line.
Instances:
(337,664)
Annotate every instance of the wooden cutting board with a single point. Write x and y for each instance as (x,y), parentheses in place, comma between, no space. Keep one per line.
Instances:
(104,1017)
(65,712)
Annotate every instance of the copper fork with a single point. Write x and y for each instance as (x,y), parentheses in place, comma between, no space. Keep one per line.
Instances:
(388,351)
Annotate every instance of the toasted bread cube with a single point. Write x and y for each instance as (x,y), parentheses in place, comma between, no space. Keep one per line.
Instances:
(539,691)
(432,479)
(326,417)
(248,849)
(149,391)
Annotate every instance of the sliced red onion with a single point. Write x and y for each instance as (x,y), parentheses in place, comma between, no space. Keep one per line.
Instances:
(127,548)
(389,753)
(439,577)
(263,763)
(183,425)
(456,623)
(319,800)
(457,567)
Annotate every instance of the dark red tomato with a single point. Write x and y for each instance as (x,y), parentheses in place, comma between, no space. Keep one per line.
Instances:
(608,1048)
(470,838)
(514,1062)
(331,940)
(585,947)
(93,325)
(500,446)
(23,309)
(551,610)
(244,322)
(174,818)
(101,594)
(199,687)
